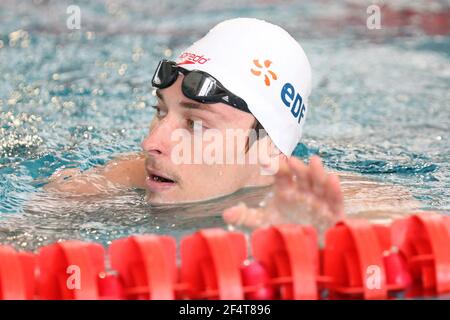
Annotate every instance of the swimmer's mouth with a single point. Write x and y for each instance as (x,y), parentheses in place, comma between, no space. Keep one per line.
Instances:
(157,178)
(157,182)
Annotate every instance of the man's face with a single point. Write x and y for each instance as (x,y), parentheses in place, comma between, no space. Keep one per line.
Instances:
(186,143)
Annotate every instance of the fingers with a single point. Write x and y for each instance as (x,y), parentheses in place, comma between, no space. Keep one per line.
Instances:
(314,180)
(241,215)
(300,190)
(232,215)
(334,196)
(284,177)
(310,178)
(318,176)
(300,170)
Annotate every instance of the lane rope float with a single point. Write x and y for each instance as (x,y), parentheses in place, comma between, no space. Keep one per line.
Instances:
(359,260)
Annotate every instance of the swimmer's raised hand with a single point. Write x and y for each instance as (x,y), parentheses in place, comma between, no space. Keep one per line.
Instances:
(301,194)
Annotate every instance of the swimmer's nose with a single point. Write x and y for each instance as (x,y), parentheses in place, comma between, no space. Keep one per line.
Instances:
(158,140)
(151,148)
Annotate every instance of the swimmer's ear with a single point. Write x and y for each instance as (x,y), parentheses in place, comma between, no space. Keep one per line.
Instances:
(272,149)
(269,156)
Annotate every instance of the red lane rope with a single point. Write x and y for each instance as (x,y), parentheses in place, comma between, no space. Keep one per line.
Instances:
(409,258)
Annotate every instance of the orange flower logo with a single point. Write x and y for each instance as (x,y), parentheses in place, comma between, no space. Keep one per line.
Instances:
(266,70)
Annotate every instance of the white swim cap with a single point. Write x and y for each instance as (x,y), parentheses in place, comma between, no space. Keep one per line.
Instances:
(261,63)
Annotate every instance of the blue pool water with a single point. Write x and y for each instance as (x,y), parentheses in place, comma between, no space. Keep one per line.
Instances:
(77,98)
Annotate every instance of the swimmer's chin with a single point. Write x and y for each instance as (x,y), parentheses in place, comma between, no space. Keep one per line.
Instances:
(165,200)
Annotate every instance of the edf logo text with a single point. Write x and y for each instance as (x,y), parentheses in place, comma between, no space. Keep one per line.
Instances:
(294,101)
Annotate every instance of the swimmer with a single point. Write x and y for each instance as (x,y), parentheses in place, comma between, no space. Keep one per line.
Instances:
(245,75)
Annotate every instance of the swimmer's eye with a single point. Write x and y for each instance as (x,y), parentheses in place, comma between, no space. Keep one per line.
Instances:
(191,123)
(159,112)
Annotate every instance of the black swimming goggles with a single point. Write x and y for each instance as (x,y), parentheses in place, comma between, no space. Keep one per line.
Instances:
(197,85)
